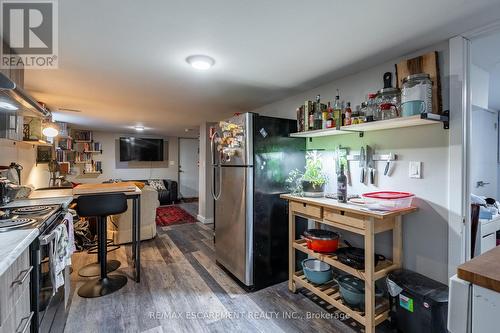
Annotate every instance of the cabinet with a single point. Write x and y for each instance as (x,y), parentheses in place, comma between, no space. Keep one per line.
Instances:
(15,310)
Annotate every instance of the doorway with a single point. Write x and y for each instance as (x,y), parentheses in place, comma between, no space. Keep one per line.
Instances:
(483,148)
(189,153)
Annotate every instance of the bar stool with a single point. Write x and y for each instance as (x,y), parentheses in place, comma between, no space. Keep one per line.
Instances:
(94,269)
(101,206)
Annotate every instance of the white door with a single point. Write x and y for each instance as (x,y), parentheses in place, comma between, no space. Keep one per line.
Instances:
(188,167)
(484,152)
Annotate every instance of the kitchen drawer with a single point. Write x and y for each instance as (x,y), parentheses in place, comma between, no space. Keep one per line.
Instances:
(19,320)
(345,218)
(13,283)
(307,209)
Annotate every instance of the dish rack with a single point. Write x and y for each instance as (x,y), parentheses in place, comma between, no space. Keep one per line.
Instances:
(352,219)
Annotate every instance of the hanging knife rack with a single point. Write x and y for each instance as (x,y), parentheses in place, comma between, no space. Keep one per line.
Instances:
(375,157)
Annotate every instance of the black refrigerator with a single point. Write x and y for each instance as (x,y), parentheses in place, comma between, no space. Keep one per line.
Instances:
(252,156)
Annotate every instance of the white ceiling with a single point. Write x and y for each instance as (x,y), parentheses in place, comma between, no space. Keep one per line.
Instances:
(485,53)
(122,61)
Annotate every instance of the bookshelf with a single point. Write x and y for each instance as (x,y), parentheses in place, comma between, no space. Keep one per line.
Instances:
(75,151)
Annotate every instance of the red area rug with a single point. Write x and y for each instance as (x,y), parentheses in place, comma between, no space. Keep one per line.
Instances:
(169,215)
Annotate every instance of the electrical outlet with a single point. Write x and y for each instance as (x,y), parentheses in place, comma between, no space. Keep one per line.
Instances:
(415,169)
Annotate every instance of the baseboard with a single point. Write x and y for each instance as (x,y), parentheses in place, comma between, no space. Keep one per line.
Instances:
(204,220)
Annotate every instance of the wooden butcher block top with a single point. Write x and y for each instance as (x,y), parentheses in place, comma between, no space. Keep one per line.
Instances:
(104,188)
(483,270)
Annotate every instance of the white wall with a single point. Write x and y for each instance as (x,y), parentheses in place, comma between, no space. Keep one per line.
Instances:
(206,202)
(113,168)
(479,85)
(425,232)
(24,154)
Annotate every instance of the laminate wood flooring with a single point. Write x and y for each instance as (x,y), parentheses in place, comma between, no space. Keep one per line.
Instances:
(182,289)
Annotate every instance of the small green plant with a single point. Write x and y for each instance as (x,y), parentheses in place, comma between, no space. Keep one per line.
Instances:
(313,174)
(314,169)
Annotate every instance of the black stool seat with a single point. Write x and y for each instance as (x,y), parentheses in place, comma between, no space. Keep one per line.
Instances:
(101,206)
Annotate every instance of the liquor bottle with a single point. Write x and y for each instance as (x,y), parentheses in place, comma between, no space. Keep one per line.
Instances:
(342,186)
(348,114)
(324,115)
(337,112)
(318,116)
(330,121)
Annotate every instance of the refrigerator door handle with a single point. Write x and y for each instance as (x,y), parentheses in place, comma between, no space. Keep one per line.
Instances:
(215,167)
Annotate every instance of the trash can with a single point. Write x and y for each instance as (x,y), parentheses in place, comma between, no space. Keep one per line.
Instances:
(418,304)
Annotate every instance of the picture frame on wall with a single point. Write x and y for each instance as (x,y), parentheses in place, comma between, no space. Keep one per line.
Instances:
(43,154)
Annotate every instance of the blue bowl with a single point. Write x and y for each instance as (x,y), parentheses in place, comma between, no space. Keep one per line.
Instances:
(317,271)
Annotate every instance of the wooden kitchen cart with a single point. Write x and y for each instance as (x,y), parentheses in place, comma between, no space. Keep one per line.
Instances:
(353,219)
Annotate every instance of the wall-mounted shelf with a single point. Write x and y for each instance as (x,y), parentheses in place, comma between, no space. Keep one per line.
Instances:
(83,141)
(418,120)
(92,172)
(92,151)
(37,142)
(319,133)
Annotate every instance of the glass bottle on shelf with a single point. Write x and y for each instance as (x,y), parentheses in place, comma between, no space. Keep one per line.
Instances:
(348,114)
(324,115)
(371,108)
(337,111)
(318,116)
(330,122)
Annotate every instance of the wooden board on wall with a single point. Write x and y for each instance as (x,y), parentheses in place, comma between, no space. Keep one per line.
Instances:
(426,63)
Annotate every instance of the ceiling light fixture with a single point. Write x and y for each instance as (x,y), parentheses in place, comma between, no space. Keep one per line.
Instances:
(50,129)
(139,128)
(201,62)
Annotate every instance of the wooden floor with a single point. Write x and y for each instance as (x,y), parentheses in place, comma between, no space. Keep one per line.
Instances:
(183,290)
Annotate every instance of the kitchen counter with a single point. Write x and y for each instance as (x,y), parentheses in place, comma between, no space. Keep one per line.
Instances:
(13,243)
(45,197)
(483,271)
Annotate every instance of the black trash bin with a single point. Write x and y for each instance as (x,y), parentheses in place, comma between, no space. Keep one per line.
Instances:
(418,304)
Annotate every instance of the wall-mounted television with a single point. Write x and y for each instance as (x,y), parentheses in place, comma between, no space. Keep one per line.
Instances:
(141,149)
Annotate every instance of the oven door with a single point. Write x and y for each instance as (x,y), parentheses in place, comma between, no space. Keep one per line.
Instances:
(46,304)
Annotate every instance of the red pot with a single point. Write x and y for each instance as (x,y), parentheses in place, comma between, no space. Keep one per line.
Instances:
(323,241)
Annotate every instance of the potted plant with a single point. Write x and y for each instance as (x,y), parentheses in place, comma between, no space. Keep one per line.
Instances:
(310,183)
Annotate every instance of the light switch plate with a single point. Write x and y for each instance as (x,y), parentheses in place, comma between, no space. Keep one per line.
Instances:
(415,169)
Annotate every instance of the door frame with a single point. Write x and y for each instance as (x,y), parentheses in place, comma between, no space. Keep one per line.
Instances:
(179,159)
(459,221)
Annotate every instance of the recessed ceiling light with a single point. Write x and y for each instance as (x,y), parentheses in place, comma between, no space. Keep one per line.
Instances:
(7,106)
(201,62)
(139,128)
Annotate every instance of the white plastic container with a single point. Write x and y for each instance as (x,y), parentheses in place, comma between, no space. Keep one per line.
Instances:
(388,200)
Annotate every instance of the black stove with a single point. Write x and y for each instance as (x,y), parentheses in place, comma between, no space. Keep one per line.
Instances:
(27,217)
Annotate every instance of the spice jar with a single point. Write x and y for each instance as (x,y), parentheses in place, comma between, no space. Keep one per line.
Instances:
(389,103)
(416,95)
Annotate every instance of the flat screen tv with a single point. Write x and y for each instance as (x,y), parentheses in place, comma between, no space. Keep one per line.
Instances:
(141,149)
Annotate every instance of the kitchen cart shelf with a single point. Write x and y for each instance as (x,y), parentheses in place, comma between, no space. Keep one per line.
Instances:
(381,269)
(418,120)
(354,219)
(329,292)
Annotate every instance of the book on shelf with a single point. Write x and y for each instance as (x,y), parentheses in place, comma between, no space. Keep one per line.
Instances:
(80,135)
